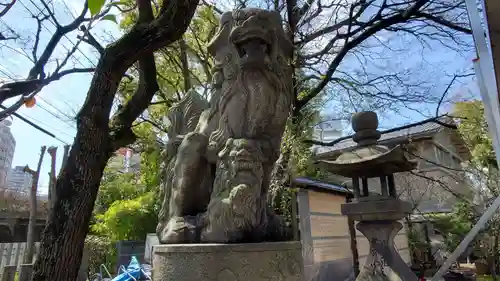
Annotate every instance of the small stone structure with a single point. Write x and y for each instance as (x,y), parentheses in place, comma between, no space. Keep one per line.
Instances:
(219,159)
(333,250)
(277,261)
(377,214)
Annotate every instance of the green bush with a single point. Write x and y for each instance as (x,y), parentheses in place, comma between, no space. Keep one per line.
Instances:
(128,219)
(101,251)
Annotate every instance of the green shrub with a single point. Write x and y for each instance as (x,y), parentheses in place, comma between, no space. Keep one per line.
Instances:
(128,219)
(101,251)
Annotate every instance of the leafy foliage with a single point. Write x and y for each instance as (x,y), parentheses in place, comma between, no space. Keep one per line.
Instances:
(95,6)
(128,219)
(117,186)
(417,244)
(474,131)
(483,169)
(101,251)
(295,158)
(454,226)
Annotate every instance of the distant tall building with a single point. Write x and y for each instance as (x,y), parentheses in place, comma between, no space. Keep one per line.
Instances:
(131,162)
(18,180)
(7,147)
(326,131)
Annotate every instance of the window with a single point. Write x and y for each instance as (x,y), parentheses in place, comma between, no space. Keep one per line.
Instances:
(446,159)
(442,156)
(456,163)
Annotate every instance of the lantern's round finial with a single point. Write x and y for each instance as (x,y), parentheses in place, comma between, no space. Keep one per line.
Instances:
(365,126)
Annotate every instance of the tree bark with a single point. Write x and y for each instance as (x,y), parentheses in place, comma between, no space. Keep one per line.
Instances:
(65,156)
(52,176)
(185,65)
(494,259)
(97,137)
(30,240)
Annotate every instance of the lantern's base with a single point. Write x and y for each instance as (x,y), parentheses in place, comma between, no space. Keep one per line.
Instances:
(383,262)
(378,209)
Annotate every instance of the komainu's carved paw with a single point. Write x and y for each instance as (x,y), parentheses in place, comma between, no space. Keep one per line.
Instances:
(180,230)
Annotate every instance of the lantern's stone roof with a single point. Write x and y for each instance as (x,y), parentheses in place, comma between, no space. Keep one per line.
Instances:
(368,159)
(421,129)
(385,163)
(424,128)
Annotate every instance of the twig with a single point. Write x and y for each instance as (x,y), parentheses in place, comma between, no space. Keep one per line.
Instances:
(448,88)
(7,8)
(88,38)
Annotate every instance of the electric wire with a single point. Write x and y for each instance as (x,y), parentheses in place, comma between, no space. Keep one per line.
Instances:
(55,25)
(67,121)
(65,35)
(45,124)
(73,45)
(4,72)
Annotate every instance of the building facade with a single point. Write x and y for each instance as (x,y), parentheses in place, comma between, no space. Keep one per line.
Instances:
(7,147)
(18,180)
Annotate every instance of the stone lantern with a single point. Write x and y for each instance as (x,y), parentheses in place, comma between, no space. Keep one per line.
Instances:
(378,212)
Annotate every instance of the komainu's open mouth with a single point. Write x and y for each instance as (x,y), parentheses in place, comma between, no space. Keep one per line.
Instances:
(252,46)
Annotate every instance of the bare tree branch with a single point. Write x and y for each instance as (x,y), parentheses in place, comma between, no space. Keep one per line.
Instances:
(369,31)
(38,68)
(443,22)
(37,72)
(51,14)
(6,7)
(448,88)
(88,38)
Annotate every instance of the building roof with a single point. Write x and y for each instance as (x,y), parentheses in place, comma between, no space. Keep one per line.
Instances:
(324,186)
(417,130)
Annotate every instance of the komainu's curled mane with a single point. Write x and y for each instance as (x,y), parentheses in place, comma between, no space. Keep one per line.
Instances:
(256,98)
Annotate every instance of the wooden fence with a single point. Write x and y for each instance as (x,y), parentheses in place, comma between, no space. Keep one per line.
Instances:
(11,262)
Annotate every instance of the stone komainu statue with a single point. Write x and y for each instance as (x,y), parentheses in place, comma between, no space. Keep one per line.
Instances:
(217,173)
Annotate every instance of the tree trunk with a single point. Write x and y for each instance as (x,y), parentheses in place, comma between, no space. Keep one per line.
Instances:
(30,239)
(494,259)
(76,188)
(65,157)
(97,137)
(185,65)
(52,176)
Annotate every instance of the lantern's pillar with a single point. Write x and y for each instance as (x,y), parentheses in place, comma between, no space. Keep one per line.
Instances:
(378,222)
(383,261)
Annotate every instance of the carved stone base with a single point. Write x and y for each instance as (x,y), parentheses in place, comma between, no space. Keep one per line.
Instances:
(228,262)
(383,262)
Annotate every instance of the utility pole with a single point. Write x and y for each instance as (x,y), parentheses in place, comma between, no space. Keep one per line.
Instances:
(52,176)
(30,243)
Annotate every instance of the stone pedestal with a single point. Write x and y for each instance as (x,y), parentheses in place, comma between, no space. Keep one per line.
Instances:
(276,261)
(383,263)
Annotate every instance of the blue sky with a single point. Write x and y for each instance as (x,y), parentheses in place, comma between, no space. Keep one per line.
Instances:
(64,97)
(59,98)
